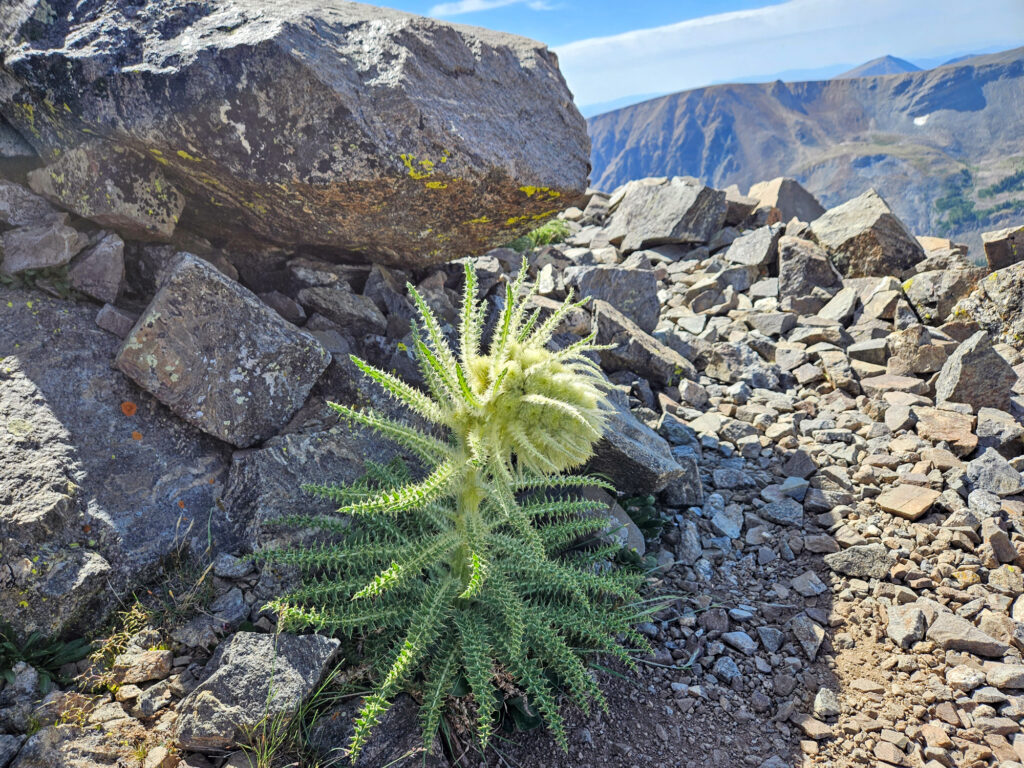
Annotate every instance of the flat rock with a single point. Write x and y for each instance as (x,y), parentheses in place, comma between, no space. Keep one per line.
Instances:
(953,632)
(865,561)
(633,292)
(69,746)
(21,208)
(1004,675)
(952,427)
(238,691)
(977,375)
(677,210)
(907,501)
(866,239)
(278,146)
(876,386)
(241,386)
(808,633)
(41,246)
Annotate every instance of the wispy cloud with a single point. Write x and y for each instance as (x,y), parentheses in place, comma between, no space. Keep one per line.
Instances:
(472,6)
(793,35)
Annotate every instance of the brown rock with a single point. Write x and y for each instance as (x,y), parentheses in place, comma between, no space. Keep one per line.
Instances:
(876,386)
(955,428)
(907,501)
(1003,247)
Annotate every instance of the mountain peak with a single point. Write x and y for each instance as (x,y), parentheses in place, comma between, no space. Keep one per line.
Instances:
(883,65)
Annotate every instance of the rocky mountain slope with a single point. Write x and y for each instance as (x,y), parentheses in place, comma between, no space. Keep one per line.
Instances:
(944,145)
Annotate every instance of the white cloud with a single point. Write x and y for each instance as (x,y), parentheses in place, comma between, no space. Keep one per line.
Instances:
(472,6)
(794,35)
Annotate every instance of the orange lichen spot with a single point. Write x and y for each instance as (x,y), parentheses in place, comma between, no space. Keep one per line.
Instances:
(181,504)
(136,435)
(128,408)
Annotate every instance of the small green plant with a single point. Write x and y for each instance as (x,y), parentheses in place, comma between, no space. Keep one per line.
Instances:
(645,514)
(456,578)
(46,656)
(554,231)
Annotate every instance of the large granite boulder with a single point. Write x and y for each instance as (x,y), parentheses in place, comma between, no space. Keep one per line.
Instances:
(99,483)
(866,239)
(241,384)
(352,129)
(677,210)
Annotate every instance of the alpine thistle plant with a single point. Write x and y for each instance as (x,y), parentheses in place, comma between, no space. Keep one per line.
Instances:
(460,576)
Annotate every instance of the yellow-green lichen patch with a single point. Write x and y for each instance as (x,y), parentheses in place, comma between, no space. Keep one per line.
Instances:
(540,192)
(436,185)
(186,156)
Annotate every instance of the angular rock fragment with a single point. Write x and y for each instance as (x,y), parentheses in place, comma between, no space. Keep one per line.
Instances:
(240,692)
(865,561)
(907,625)
(805,272)
(758,248)
(908,501)
(677,210)
(991,472)
(242,386)
(953,632)
(937,425)
(635,457)
(789,198)
(1003,247)
(635,351)
(51,244)
(977,375)
(99,271)
(356,315)
(633,292)
(866,239)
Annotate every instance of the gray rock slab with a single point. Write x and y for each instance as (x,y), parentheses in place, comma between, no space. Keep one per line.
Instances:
(241,385)
(252,676)
(100,481)
(634,350)
(805,270)
(99,270)
(633,292)
(635,457)
(678,210)
(977,375)
(956,633)
(866,561)
(41,246)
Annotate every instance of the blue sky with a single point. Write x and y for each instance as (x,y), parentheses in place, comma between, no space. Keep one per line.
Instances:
(614,51)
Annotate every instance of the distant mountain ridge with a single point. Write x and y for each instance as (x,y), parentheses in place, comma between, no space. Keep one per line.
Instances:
(932,142)
(883,65)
